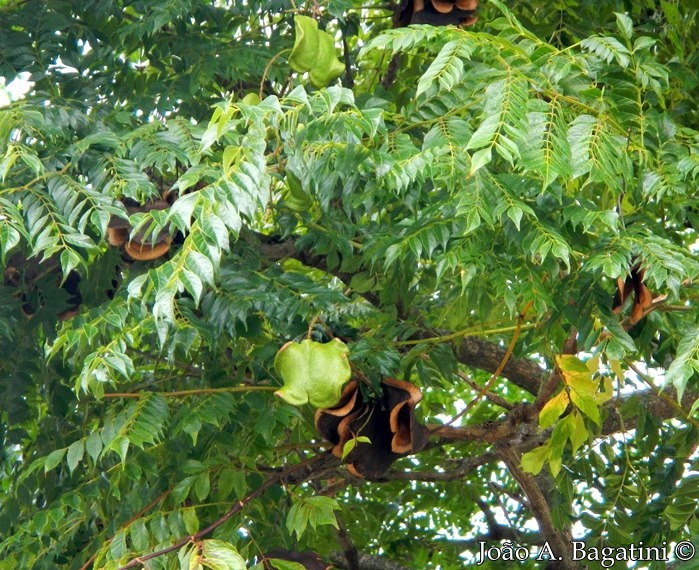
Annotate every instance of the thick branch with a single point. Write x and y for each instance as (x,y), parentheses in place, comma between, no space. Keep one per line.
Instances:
(350,552)
(519,426)
(540,509)
(485,355)
(663,406)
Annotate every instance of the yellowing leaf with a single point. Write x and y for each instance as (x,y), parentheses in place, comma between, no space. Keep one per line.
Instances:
(583,386)
(534,459)
(587,405)
(615,365)
(607,392)
(559,438)
(579,434)
(593,364)
(553,409)
(220,555)
(555,463)
(572,367)
(312,372)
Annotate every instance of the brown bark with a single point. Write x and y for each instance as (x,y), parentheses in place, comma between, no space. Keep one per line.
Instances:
(558,539)
(484,355)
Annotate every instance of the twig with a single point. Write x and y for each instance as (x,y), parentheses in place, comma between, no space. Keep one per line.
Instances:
(391,72)
(500,367)
(672,402)
(478,330)
(463,468)
(135,517)
(547,390)
(36,180)
(497,400)
(539,507)
(348,548)
(502,490)
(348,62)
(237,506)
(264,73)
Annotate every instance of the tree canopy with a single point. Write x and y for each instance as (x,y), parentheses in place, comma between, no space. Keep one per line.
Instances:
(291,284)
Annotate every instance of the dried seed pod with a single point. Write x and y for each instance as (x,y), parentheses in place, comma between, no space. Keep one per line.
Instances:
(143,246)
(387,422)
(642,297)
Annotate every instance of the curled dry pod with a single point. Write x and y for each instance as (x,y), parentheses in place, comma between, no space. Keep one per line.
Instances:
(147,252)
(118,231)
(332,423)
(387,426)
(641,303)
(143,246)
(633,285)
(408,434)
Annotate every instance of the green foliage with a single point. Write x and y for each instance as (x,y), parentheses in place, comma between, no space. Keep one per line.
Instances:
(501,187)
(352,443)
(311,510)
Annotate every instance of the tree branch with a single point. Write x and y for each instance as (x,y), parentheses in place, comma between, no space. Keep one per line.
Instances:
(663,406)
(237,506)
(350,552)
(485,355)
(540,510)
(457,472)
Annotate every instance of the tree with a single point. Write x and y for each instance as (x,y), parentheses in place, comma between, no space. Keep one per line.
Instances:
(491,231)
